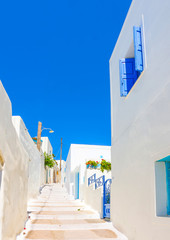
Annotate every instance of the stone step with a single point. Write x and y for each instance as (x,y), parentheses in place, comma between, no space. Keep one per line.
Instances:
(66,221)
(71,234)
(56,208)
(65,227)
(56,213)
(47,204)
(59,217)
(53,201)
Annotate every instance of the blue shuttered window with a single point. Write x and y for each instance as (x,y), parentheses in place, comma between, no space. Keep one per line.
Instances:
(131,68)
(167,164)
(138,49)
(128,75)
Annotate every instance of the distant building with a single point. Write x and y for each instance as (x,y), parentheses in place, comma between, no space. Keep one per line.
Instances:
(46,145)
(51,173)
(78,155)
(63,170)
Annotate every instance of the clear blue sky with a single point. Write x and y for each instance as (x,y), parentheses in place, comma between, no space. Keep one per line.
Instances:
(54,65)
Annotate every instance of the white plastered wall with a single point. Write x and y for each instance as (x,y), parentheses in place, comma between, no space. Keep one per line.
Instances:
(36,158)
(47,148)
(94,197)
(141,125)
(13,192)
(76,159)
(46,145)
(63,170)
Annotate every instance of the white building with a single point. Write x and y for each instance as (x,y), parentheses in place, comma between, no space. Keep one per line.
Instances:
(36,159)
(140,103)
(46,145)
(78,155)
(63,170)
(13,174)
(51,173)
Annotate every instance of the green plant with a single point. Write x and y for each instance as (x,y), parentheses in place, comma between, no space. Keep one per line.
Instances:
(48,160)
(105,165)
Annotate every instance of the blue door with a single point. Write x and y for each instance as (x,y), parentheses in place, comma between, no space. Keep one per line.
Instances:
(106,198)
(167,164)
(77,185)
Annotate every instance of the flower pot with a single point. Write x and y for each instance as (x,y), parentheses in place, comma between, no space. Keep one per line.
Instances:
(88,165)
(98,166)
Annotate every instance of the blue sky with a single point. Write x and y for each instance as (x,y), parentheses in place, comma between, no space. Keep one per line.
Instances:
(54,65)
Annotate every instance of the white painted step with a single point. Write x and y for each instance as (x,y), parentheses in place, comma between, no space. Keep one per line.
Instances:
(59,208)
(83,216)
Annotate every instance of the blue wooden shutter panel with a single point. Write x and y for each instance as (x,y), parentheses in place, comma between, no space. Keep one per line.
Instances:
(138,49)
(128,75)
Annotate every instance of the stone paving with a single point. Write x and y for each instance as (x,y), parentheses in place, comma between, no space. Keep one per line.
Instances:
(53,215)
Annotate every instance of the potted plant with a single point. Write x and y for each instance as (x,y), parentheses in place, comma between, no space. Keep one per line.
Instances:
(88,164)
(92,164)
(105,165)
(98,164)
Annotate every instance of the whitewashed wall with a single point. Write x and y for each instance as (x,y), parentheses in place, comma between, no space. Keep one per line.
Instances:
(94,197)
(47,148)
(52,174)
(76,159)
(13,190)
(46,145)
(69,181)
(63,170)
(36,158)
(141,124)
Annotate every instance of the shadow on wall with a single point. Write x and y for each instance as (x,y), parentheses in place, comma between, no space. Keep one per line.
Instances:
(1,167)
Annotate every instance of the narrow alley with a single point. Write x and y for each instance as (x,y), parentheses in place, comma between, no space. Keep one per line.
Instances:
(53,215)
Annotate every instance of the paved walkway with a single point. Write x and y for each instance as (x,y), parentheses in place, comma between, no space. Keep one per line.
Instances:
(54,216)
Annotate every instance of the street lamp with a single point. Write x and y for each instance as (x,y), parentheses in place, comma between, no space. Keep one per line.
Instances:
(39,134)
(50,130)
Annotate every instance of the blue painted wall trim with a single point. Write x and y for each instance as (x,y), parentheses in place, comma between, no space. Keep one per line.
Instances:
(166,160)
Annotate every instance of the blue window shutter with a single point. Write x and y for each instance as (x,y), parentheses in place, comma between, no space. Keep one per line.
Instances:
(167,164)
(138,48)
(128,75)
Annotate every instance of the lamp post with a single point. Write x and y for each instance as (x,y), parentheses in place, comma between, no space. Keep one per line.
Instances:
(61,153)
(39,134)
